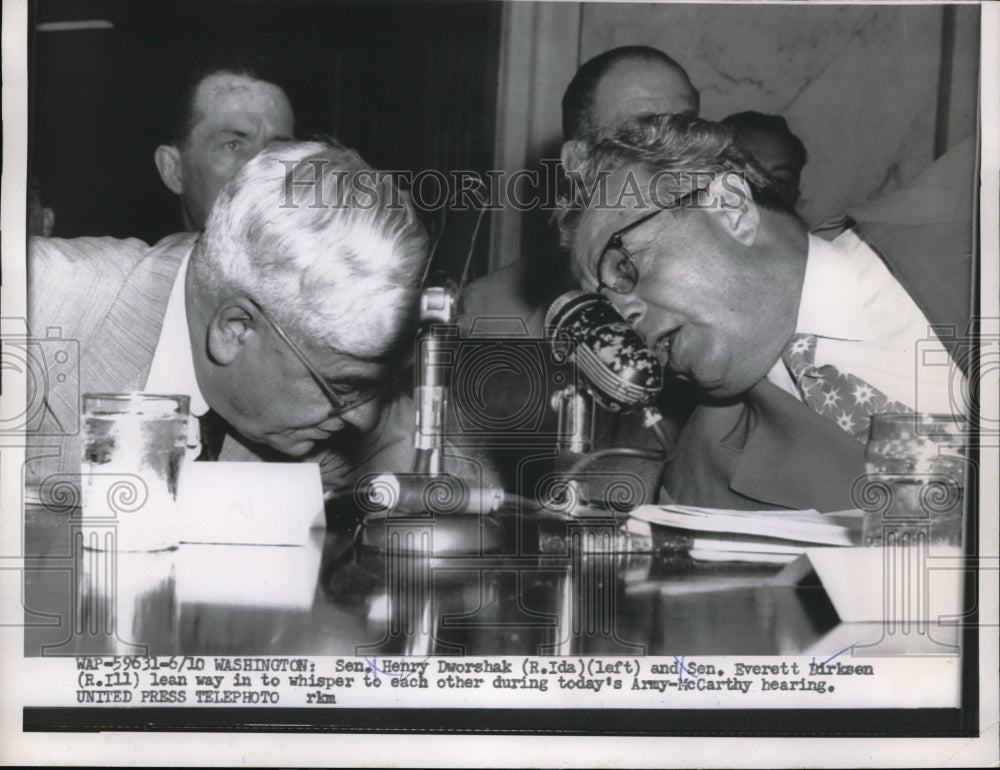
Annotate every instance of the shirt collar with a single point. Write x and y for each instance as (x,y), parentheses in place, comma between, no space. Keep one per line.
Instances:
(172,368)
(829,305)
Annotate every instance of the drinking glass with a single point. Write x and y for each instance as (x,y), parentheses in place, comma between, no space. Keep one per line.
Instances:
(915,487)
(134,445)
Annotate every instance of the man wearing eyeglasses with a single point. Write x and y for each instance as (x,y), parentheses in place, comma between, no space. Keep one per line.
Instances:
(287,321)
(792,341)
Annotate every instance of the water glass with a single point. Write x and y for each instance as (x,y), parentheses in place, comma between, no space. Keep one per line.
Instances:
(915,483)
(134,445)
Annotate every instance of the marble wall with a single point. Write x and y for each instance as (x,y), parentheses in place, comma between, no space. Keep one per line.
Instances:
(859,84)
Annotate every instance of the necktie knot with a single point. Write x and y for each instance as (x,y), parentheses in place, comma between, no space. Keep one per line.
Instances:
(799,352)
(839,396)
(213,434)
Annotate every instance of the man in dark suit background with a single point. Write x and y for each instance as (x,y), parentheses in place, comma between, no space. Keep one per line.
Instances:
(793,341)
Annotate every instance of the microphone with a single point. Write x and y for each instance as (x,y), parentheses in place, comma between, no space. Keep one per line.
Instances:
(618,370)
(615,369)
(454,514)
(435,339)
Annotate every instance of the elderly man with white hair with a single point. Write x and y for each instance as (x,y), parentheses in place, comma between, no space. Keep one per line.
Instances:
(287,321)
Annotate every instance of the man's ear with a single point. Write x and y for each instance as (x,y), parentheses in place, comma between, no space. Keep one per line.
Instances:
(571,155)
(732,203)
(168,162)
(233,326)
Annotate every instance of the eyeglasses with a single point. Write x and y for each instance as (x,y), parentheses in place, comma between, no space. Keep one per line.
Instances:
(342,402)
(616,268)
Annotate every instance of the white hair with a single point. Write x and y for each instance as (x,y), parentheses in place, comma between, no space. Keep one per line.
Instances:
(328,246)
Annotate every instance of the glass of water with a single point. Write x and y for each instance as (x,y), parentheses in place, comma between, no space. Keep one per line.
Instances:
(915,484)
(134,445)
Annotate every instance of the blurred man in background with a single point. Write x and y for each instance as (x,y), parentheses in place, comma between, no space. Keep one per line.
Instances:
(617,84)
(769,139)
(41,218)
(227,114)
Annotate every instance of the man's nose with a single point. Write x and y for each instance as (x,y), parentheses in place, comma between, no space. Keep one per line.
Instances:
(631,307)
(364,417)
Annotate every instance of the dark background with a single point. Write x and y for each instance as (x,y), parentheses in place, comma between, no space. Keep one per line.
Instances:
(411,85)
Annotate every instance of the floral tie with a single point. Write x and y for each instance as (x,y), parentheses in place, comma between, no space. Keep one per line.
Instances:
(837,395)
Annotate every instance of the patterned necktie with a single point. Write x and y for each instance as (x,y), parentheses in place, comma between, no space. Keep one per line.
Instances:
(213,434)
(839,396)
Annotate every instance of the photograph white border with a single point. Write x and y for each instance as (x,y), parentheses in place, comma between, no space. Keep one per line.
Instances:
(18,682)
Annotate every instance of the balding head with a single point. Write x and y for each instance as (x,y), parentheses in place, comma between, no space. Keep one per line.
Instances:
(622,83)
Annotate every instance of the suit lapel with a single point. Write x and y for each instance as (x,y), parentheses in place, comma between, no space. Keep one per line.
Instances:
(121,350)
(117,352)
(792,456)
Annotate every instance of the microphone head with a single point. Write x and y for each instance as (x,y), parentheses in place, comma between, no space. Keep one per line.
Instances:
(618,369)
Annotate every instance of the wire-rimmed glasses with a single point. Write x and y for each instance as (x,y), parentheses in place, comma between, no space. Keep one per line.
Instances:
(616,268)
(342,402)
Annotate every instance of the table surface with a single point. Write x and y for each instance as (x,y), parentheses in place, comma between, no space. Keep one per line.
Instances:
(334,597)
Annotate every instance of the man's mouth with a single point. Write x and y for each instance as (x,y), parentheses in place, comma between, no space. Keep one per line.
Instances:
(663,345)
(314,434)
(666,351)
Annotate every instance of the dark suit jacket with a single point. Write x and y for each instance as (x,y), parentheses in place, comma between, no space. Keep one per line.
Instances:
(769,449)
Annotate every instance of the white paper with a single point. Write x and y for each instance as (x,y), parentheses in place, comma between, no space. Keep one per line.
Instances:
(279,576)
(853,579)
(249,503)
(806,525)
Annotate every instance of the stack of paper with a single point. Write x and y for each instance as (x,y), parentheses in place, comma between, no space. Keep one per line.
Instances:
(711,534)
(232,503)
(245,534)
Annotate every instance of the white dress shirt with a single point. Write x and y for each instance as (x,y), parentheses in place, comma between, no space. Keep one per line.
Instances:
(866,324)
(172,369)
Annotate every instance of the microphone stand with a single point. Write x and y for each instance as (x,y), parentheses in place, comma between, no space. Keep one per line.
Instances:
(574,405)
(442,514)
(651,420)
(582,324)
(437,320)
